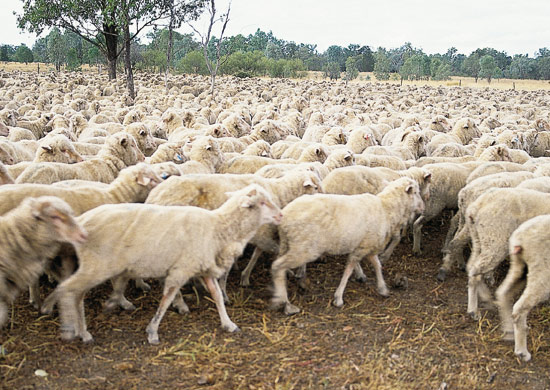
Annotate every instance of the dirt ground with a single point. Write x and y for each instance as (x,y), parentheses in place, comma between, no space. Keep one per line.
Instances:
(418,338)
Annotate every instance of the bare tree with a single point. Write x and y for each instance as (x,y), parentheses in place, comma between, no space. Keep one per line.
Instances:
(214,63)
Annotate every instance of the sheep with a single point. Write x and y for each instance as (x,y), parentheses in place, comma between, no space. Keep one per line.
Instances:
(143,137)
(204,244)
(205,157)
(411,147)
(39,127)
(131,185)
(435,160)
(495,167)
(541,184)
(119,151)
(496,153)
(490,228)
(446,181)
(374,160)
(5,177)
(529,254)
(258,148)
(359,180)
(29,235)
(167,152)
(463,132)
(358,225)
(15,152)
(57,148)
(452,149)
(453,248)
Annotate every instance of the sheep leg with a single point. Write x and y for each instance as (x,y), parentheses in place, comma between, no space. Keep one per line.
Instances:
(4,309)
(390,248)
(359,273)
(454,226)
(34,294)
(223,286)
(417,234)
(453,252)
(117,297)
(535,292)
(280,294)
(171,287)
(380,283)
(245,275)
(140,283)
(505,296)
(473,283)
(180,304)
(216,292)
(338,295)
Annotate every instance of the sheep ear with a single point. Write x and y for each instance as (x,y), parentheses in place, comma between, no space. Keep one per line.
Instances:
(318,151)
(124,141)
(309,183)
(516,250)
(37,208)
(47,148)
(428,177)
(493,143)
(142,132)
(143,180)
(366,136)
(208,147)
(420,139)
(403,137)
(246,202)
(348,157)
(409,190)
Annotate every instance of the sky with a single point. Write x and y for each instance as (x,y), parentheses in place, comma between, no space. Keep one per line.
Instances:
(516,27)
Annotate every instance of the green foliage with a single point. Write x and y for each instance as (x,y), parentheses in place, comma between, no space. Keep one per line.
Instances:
(543,67)
(471,66)
(332,70)
(487,67)
(285,68)
(193,62)
(416,67)
(351,68)
(57,48)
(245,64)
(381,65)
(23,54)
(521,67)
(152,60)
(7,52)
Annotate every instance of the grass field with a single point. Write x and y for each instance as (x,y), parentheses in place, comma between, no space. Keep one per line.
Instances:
(527,85)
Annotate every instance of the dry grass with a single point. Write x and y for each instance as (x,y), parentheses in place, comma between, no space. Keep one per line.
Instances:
(527,85)
(33,67)
(418,338)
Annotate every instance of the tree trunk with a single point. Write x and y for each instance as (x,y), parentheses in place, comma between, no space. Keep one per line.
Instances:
(128,63)
(212,83)
(169,50)
(111,40)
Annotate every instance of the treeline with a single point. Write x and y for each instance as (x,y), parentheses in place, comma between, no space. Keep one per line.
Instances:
(263,54)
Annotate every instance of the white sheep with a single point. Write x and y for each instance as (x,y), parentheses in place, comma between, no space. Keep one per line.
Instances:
(119,151)
(490,228)
(358,225)
(529,255)
(29,235)
(204,244)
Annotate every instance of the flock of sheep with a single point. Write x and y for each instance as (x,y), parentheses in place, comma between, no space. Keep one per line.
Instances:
(93,184)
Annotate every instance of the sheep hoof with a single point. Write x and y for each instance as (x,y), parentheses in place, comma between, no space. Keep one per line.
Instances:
(290,309)
(442,275)
(508,335)
(275,305)
(153,339)
(127,305)
(142,285)
(231,328)
(87,338)
(338,302)
(245,282)
(36,305)
(182,309)
(524,355)
(361,279)
(417,251)
(384,291)
(67,333)
(475,315)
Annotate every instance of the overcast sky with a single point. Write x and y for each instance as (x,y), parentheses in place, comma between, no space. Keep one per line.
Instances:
(517,27)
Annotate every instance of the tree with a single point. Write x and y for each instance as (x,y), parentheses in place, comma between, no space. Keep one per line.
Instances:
(213,63)
(6,52)
(487,67)
(351,69)
(332,70)
(381,65)
(23,54)
(100,22)
(335,54)
(57,48)
(193,62)
(521,67)
(543,67)
(40,50)
(416,67)
(471,66)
